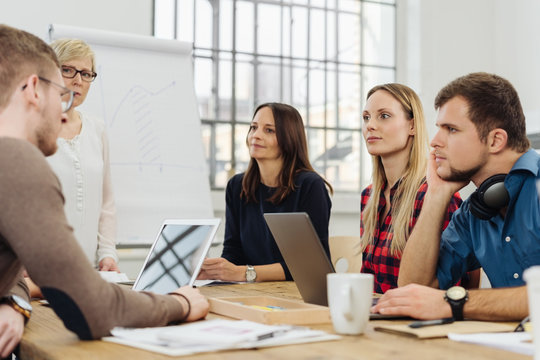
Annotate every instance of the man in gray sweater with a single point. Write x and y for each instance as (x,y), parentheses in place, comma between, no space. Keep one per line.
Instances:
(34,233)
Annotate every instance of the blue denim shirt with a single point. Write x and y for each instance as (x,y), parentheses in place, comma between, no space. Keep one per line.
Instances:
(503,247)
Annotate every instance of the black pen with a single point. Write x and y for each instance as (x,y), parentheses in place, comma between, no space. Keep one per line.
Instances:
(419,324)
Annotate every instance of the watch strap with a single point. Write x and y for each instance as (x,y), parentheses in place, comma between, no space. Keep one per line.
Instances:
(457,309)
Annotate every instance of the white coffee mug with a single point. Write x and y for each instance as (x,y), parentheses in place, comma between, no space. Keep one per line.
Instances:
(349,299)
(532,277)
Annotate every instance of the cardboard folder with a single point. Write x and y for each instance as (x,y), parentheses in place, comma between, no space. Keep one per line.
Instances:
(441,331)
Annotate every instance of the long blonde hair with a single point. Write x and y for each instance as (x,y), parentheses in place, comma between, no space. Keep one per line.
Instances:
(412,179)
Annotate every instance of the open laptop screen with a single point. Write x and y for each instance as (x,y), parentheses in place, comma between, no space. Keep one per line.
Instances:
(176,255)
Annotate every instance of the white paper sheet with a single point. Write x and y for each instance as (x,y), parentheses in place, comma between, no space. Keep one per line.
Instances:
(518,342)
(113,276)
(215,335)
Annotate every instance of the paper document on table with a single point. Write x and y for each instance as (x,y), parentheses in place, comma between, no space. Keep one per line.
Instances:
(113,276)
(519,342)
(215,335)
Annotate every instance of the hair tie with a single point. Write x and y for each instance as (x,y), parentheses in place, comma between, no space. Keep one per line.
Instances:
(188,304)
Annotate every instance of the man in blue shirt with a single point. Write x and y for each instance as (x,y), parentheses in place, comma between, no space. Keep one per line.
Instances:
(481,138)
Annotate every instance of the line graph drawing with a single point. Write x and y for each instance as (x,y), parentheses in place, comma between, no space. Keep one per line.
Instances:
(138,112)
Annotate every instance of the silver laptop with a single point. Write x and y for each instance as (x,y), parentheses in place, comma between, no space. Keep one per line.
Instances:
(305,256)
(303,252)
(177,254)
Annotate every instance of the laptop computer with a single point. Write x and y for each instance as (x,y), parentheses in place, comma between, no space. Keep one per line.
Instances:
(303,252)
(305,256)
(177,254)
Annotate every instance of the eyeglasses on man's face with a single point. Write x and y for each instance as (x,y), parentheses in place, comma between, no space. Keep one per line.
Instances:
(70,72)
(65,94)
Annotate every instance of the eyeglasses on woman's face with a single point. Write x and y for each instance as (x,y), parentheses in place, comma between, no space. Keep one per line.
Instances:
(69,72)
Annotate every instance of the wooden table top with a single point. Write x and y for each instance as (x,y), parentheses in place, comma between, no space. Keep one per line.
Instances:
(46,338)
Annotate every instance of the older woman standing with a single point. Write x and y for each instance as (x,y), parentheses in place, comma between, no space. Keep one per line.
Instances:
(82,161)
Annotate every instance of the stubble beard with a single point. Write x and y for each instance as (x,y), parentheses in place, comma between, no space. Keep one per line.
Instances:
(462,175)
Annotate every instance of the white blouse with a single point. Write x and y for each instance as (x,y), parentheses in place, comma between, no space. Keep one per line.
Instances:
(82,165)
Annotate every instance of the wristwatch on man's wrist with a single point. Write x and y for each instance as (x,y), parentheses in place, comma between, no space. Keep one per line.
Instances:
(251,274)
(456,296)
(19,304)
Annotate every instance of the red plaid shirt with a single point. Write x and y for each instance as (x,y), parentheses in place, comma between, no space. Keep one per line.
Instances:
(377,258)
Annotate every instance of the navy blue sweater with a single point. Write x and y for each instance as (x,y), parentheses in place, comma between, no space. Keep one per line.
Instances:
(248,239)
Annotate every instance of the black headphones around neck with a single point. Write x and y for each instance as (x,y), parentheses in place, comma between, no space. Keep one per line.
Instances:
(490,197)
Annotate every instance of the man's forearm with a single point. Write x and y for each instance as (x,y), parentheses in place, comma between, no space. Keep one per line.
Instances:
(505,304)
(419,260)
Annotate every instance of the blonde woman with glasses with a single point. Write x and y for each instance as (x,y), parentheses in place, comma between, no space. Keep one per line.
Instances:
(395,135)
(82,161)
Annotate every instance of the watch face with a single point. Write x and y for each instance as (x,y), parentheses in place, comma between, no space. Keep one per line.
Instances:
(21,302)
(456,293)
(250,274)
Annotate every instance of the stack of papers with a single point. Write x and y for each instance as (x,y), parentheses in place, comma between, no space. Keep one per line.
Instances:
(215,335)
(519,342)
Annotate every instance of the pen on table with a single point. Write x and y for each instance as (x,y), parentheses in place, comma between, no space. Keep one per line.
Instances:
(271,334)
(419,324)
(521,325)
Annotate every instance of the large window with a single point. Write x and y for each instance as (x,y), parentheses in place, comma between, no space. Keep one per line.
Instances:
(321,56)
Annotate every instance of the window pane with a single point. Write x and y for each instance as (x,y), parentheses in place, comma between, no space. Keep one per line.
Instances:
(244,26)
(299,84)
(376,76)
(316,98)
(331,47)
(269,29)
(316,148)
(164,19)
(379,34)
(287,84)
(349,38)
(241,149)
(244,91)
(185,21)
(331,99)
(268,81)
(286,26)
(350,5)
(299,32)
(317,34)
(225,89)
(343,157)
(203,28)
(223,154)
(208,133)
(225,24)
(203,87)
(349,98)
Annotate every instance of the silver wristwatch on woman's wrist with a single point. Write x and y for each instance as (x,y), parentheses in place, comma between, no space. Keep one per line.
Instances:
(251,274)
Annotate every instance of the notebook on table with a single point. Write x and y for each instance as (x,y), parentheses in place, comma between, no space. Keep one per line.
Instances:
(305,257)
(176,255)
